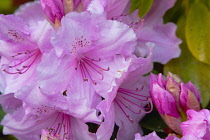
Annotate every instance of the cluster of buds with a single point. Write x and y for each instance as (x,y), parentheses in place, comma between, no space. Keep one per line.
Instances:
(75,69)
(172,98)
(56,9)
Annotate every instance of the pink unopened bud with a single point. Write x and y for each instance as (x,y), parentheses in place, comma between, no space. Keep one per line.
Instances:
(175,77)
(53,9)
(173,123)
(173,98)
(165,102)
(189,97)
(75,5)
(174,88)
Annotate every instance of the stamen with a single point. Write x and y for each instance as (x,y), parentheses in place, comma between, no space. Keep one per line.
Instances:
(139,27)
(131,100)
(119,18)
(13,35)
(43,110)
(136,26)
(90,70)
(79,43)
(131,92)
(22,62)
(131,120)
(60,128)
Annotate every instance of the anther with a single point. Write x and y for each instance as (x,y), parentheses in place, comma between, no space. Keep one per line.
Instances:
(85,79)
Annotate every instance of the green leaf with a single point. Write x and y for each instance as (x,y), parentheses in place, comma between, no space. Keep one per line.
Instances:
(173,14)
(5,4)
(1,114)
(198,31)
(6,7)
(1,117)
(206,2)
(153,122)
(189,68)
(143,6)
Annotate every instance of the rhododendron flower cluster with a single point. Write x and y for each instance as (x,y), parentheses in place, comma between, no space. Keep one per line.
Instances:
(67,65)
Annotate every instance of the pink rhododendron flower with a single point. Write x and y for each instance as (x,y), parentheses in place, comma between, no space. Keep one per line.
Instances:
(162,35)
(9,103)
(151,29)
(198,124)
(125,104)
(86,55)
(2,81)
(115,8)
(31,12)
(21,50)
(89,69)
(154,136)
(126,110)
(57,9)
(52,123)
(89,58)
(80,106)
(42,118)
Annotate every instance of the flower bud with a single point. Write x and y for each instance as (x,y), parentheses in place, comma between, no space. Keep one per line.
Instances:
(174,88)
(173,123)
(189,97)
(165,102)
(174,77)
(53,9)
(173,98)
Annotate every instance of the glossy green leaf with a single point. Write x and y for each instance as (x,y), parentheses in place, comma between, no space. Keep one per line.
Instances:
(207,3)
(153,122)
(1,113)
(143,6)
(189,68)
(208,106)
(198,31)
(5,4)
(173,14)
(6,7)
(1,117)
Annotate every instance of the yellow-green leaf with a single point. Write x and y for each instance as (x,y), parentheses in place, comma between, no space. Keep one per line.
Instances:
(6,7)
(143,6)
(5,4)
(189,68)
(173,14)
(152,121)
(198,31)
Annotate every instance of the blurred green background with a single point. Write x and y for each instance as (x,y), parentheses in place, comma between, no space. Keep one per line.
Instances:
(9,6)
